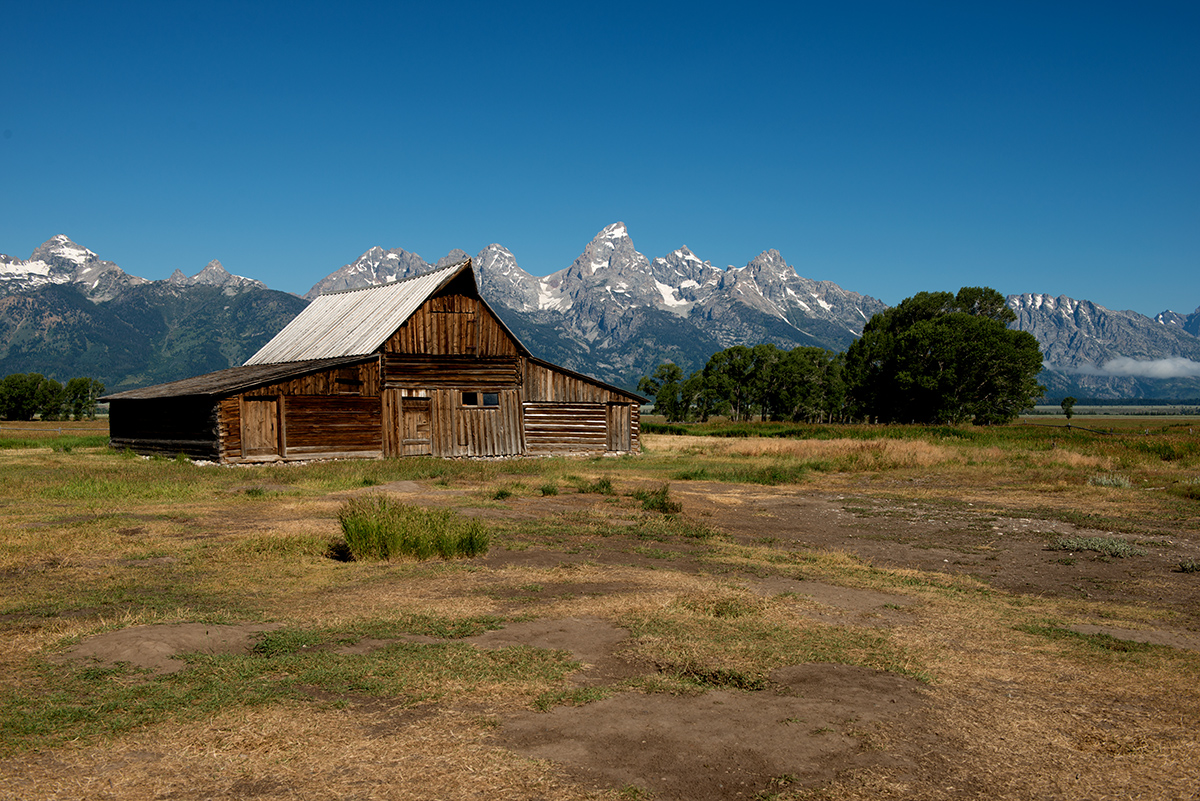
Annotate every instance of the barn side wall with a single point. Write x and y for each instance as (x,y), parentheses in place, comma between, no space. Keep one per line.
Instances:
(565,413)
(334,413)
(166,427)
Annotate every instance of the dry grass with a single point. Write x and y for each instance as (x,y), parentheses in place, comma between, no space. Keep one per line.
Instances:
(1017,713)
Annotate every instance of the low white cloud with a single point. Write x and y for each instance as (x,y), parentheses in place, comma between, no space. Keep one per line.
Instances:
(1172,367)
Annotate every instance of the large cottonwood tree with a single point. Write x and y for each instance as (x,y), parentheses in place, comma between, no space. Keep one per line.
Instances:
(943,358)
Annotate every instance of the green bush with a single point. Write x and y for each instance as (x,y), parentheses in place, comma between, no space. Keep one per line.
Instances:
(376,527)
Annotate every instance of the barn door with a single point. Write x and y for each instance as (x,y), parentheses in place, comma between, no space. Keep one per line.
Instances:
(260,427)
(416,427)
(620,427)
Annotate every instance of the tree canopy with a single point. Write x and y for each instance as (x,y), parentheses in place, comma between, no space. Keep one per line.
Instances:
(24,395)
(943,358)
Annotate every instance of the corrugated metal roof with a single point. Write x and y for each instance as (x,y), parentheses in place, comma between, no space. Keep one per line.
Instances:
(354,322)
(233,379)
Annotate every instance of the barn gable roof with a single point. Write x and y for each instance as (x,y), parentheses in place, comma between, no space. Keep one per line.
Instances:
(355,322)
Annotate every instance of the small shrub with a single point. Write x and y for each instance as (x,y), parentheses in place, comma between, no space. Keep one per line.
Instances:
(549,488)
(658,500)
(501,494)
(601,486)
(1106,546)
(376,527)
(1189,566)
(1111,480)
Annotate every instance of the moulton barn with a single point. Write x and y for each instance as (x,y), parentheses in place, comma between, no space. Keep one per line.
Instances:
(415,367)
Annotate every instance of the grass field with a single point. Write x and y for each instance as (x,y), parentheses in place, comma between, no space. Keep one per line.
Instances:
(984,569)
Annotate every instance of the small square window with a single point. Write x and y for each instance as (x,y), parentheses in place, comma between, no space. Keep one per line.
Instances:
(484,399)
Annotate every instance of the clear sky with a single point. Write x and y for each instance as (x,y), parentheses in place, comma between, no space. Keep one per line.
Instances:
(890,147)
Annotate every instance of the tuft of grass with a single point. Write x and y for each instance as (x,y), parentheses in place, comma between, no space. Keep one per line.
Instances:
(377,527)
(601,486)
(549,488)
(1115,480)
(1189,566)
(658,500)
(1106,546)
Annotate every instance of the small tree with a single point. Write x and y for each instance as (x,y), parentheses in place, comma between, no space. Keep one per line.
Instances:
(81,397)
(663,384)
(1068,405)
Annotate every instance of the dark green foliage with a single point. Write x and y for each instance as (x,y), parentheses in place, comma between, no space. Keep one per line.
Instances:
(24,395)
(663,385)
(376,527)
(942,358)
(804,383)
(1068,406)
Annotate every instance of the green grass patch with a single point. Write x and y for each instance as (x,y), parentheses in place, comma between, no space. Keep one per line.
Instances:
(770,474)
(575,697)
(376,527)
(601,486)
(65,703)
(1105,546)
(658,500)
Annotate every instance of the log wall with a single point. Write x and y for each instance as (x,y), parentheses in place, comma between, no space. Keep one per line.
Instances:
(412,371)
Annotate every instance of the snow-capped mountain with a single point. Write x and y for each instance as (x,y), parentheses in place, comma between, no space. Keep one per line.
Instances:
(617,314)
(61,261)
(612,313)
(1089,349)
(214,274)
(1188,322)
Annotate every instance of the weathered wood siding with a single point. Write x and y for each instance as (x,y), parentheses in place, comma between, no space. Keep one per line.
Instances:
(543,384)
(413,371)
(566,427)
(460,430)
(166,426)
(360,379)
(565,412)
(327,425)
(452,324)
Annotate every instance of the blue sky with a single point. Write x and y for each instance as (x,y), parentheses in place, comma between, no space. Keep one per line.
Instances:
(890,147)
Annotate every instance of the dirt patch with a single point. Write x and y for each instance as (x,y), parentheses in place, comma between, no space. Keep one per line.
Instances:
(816,721)
(595,642)
(833,604)
(155,647)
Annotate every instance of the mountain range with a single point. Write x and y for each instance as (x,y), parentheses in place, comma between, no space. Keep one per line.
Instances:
(612,313)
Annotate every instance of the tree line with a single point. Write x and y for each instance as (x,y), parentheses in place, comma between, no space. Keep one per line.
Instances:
(24,396)
(936,357)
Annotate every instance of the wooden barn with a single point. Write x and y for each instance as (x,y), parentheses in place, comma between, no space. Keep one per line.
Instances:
(416,367)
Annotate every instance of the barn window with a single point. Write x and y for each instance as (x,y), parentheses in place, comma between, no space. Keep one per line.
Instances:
(347,382)
(481,399)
